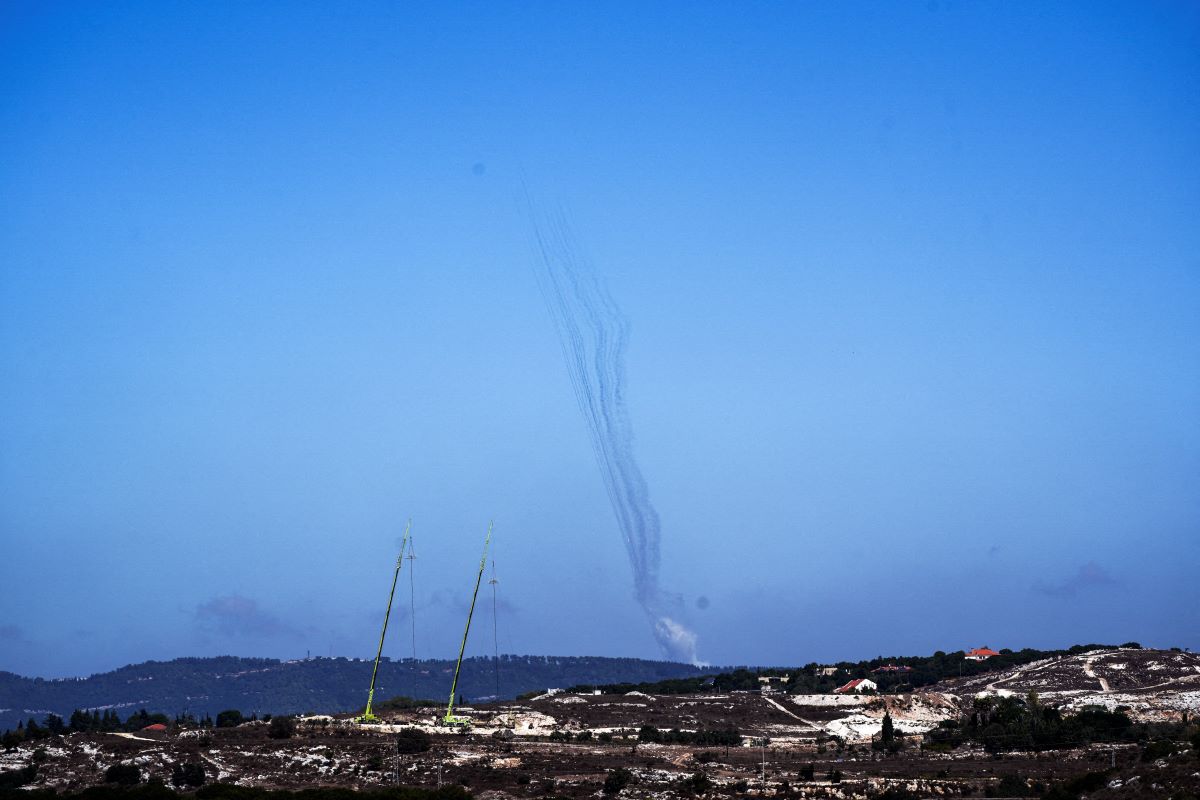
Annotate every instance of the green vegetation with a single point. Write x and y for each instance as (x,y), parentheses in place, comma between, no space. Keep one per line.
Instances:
(888,741)
(405,703)
(225,791)
(191,774)
(124,774)
(616,780)
(281,728)
(329,685)
(230,718)
(13,778)
(1073,788)
(914,672)
(726,738)
(1158,749)
(413,740)
(697,783)
(1008,723)
(1010,786)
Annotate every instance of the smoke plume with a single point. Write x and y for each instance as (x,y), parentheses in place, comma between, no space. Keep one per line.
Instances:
(593,333)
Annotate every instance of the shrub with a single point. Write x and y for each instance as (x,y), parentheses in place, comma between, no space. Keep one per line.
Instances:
(188,775)
(413,740)
(1156,750)
(896,793)
(281,728)
(13,778)
(1009,786)
(230,718)
(124,774)
(616,780)
(698,783)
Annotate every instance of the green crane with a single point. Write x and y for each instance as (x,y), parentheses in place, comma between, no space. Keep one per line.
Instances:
(450,719)
(368,716)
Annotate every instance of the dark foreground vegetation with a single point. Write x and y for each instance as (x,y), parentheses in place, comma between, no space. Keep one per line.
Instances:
(224,791)
(1004,724)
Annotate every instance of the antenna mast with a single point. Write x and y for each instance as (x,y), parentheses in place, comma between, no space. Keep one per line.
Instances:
(450,719)
(368,716)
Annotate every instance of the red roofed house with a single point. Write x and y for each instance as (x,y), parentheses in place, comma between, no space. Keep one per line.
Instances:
(892,668)
(158,726)
(857,685)
(980,654)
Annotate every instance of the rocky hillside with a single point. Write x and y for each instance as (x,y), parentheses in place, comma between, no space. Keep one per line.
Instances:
(1154,685)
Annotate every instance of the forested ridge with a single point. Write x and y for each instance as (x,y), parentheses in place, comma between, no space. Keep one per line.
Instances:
(268,686)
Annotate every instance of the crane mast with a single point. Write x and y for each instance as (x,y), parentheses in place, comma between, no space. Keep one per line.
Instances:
(450,719)
(368,715)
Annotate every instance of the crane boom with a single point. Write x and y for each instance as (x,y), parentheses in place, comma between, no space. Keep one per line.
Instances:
(450,719)
(368,716)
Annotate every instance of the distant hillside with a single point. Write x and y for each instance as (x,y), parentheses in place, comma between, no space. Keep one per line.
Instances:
(209,685)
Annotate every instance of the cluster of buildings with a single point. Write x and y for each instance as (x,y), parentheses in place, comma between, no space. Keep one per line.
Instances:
(859,685)
(774,683)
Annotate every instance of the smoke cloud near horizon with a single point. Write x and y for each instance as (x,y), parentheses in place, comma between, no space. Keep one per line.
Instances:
(593,333)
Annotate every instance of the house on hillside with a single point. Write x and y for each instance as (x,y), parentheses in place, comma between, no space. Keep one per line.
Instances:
(825,672)
(772,683)
(891,668)
(857,686)
(980,654)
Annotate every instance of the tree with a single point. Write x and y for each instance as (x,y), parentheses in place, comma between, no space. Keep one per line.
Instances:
(698,783)
(190,774)
(80,721)
(413,740)
(616,780)
(281,728)
(888,735)
(123,774)
(229,718)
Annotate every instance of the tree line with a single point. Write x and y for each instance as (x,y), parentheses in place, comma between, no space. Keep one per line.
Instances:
(95,721)
(913,672)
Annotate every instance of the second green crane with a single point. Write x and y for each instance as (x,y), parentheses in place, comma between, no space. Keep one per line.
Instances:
(451,720)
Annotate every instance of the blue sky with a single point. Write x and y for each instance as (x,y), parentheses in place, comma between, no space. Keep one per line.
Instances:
(913,293)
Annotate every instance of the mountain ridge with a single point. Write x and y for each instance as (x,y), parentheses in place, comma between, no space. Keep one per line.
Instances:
(206,685)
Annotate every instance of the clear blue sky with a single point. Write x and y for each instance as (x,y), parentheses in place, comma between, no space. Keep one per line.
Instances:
(914,296)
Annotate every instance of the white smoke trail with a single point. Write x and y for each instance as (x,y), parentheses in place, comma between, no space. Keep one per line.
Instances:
(593,334)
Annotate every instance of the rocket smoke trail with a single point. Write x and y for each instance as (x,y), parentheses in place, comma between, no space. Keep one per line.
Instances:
(593,333)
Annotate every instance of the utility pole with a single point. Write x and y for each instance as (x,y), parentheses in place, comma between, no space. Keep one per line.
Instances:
(763,742)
